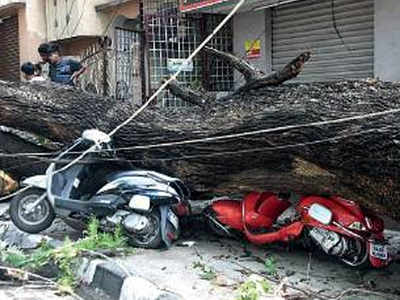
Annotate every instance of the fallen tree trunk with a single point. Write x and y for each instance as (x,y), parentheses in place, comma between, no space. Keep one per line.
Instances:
(354,159)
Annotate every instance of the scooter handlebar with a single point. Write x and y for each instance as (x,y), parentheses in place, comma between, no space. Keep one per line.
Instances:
(50,174)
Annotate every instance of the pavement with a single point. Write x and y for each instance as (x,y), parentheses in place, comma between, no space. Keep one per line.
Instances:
(201,266)
(24,293)
(213,268)
(45,293)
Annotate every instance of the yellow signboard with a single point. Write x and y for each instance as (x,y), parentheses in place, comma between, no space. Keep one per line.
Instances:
(253,48)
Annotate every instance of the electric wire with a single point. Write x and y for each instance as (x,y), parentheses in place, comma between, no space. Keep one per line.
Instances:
(68,13)
(180,69)
(215,154)
(173,77)
(161,88)
(222,153)
(334,24)
(231,136)
(103,49)
(80,18)
(268,130)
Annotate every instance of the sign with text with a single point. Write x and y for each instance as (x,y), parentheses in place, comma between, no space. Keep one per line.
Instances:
(188,5)
(253,49)
(173,65)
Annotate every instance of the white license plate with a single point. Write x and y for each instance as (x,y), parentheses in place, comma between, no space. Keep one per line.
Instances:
(379,251)
(173,219)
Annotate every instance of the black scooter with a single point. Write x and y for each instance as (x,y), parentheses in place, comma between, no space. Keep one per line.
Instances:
(142,202)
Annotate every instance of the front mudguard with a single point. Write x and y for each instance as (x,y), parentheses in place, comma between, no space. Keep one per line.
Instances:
(285,234)
(38,181)
(169,225)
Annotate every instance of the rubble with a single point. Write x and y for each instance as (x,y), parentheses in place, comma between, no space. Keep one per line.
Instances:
(12,236)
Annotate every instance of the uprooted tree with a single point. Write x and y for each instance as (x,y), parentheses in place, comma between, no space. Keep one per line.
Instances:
(356,159)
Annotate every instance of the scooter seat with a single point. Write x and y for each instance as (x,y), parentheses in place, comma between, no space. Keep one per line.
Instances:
(58,183)
(271,206)
(253,217)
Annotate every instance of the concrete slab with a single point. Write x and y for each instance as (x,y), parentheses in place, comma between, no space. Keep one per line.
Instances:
(177,273)
(24,293)
(233,261)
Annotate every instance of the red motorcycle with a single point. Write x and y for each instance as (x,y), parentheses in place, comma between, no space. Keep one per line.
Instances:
(338,226)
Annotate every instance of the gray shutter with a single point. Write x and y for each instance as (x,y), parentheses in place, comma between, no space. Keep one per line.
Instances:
(308,25)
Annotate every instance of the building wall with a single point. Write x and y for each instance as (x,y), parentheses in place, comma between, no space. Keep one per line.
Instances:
(387,39)
(32,30)
(9,49)
(83,18)
(251,26)
(75,47)
(7,2)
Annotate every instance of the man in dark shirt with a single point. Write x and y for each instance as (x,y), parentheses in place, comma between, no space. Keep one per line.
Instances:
(62,70)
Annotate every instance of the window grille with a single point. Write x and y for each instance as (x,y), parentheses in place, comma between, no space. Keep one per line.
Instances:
(127,65)
(116,71)
(219,77)
(171,35)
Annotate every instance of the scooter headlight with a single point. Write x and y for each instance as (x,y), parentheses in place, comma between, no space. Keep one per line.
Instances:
(140,202)
(357,226)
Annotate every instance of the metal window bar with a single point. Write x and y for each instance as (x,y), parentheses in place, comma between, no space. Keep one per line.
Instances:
(219,77)
(172,35)
(116,72)
(92,80)
(127,65)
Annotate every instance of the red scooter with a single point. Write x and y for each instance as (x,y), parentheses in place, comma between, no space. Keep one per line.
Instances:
(338,226)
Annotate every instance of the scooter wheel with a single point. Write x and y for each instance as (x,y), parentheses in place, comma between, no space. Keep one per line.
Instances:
(215,227)
(360,260)
(150,237)
(36,220)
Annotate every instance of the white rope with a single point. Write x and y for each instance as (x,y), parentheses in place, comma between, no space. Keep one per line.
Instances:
(162,87)
(187,60)
(268,130)
(222,153)
(15,194)
(236,135)
(282,147)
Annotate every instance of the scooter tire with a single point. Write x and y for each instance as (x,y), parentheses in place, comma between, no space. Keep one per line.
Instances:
(25,225)
(156,241)
(363,262)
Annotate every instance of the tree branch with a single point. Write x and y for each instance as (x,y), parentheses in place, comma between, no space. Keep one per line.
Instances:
(249,72)
(187,94)
(290,71)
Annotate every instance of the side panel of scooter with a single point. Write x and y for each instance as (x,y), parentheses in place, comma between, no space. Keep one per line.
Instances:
(39,181)
(271,206)
(285,234)
(229,212)
(343,214)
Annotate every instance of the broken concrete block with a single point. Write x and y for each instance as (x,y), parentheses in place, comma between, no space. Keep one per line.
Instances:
(12,236)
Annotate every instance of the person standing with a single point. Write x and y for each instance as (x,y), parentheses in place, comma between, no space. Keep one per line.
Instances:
(62,70)
(32,72)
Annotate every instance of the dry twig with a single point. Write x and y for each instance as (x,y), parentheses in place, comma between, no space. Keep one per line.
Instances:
(29,274)
(310,294)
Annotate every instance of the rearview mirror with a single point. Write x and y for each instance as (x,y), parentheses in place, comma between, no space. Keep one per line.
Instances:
(320,213)
(96,136)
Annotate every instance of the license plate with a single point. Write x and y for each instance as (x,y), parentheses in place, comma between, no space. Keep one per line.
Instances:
(173,219)
(379,251)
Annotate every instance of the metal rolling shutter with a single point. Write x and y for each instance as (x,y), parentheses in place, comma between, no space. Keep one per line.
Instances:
(9,49)
(308,25)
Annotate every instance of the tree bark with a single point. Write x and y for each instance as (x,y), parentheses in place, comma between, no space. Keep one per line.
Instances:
(357,159)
